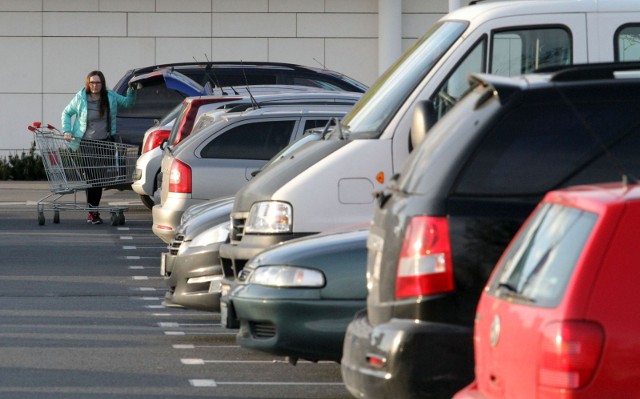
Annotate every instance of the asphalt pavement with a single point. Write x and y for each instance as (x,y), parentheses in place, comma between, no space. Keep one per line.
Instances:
(81,316)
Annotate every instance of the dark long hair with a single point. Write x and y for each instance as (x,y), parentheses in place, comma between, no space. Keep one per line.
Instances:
(104,99)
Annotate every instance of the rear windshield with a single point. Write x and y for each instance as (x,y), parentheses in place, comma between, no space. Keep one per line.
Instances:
(540,262)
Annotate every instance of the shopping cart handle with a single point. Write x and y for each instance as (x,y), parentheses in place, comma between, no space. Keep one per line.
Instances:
(36,124)
(32,128)
(51,127)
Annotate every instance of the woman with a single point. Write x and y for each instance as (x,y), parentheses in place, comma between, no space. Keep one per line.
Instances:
(95,109)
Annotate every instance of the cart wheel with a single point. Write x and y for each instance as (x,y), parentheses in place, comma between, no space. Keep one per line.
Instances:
(114,219)
(56,217)
(121,218)
(41,218)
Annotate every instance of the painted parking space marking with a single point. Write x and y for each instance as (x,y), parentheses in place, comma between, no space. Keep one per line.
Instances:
(178,325)
(129,247)
(126,237)
(140,277)
(146,289)
(191,346)
(154,306)
(230,334)
(203,383)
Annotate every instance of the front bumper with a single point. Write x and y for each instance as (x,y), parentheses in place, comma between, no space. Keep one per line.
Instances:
(406,359)
(292,322)
(193,278)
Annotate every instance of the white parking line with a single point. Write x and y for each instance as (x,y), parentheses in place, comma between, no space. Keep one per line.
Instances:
(140,277)
(176,325)
(191,346)
(126,237)
(202,383)
(129,247)
(231,334)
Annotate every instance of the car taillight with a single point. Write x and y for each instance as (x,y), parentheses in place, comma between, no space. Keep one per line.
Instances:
(189,119)
(569,354)
(154,139)
(425,266)
(179,177)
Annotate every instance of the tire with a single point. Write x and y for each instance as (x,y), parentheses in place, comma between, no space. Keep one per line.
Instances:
(147,201)
(121,218)
(41,219)
(56,217)
(114,219)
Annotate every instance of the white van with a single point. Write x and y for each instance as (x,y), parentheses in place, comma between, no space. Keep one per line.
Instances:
(331,182)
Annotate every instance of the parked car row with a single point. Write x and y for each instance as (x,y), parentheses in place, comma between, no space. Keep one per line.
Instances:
(474,140)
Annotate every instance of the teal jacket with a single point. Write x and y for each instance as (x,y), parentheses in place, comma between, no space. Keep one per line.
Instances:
(78,107)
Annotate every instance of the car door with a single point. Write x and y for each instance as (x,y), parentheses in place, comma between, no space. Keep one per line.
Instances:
(223,163)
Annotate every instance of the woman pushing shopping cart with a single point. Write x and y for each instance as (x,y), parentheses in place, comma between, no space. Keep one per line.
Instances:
(85,156)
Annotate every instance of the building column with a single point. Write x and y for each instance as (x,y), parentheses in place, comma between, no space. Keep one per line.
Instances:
(389,33)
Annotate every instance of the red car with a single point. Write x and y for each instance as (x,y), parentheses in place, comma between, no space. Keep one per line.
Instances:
(558,317)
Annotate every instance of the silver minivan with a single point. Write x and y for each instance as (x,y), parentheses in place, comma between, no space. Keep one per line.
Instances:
(220,159)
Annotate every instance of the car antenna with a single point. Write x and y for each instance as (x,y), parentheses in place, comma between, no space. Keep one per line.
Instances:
(216,82)
(320,63)
(246,81)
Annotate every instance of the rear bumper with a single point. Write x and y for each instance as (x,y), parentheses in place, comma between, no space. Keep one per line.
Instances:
(406,359)
(147,167)
(166,216)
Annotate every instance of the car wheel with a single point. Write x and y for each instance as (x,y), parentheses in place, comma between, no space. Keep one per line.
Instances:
(147,201)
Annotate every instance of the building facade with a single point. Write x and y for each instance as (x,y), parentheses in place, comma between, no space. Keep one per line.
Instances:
(49,46)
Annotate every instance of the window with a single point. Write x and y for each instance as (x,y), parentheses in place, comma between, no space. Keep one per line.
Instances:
(458,83)
(254,140)
(315,123)
(628,43)
(152,101)
(515,52)
(529,155)
(539,264)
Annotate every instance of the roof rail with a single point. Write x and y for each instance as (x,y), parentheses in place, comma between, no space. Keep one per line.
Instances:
(596,71)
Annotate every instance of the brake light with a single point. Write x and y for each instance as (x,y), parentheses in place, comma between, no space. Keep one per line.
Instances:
(179,177)
(154,139)
(569,354)
(189,119)
(425,266)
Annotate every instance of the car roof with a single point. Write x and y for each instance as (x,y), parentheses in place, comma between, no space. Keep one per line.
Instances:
(595,196)
(272,92)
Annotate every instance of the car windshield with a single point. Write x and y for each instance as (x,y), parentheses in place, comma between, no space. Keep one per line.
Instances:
(310,135)
(381,102)
(539,264)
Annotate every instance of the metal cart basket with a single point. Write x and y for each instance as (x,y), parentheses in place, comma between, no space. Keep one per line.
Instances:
(73,165)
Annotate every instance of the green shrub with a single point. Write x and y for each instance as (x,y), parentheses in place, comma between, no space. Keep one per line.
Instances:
(26,166)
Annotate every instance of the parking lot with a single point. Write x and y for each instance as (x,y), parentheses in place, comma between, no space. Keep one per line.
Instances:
(81,316)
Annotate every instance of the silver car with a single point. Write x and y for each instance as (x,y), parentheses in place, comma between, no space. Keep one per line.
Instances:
(221,158)
(202,111)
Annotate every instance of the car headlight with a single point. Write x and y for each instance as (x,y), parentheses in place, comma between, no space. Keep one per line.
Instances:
(287,276)
(217,233)
(269,218)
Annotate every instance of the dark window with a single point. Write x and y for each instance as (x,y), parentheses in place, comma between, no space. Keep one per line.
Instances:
(627,43)
(152,101)
(314,123)
(539,264)
(529,155)
(257,140)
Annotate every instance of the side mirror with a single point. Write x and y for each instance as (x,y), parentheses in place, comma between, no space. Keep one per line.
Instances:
(424,117)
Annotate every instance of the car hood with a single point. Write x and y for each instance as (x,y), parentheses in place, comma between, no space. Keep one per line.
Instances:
(173,80)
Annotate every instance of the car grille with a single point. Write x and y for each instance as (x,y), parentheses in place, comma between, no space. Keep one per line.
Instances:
(174,247)
(237,228)
(262,330)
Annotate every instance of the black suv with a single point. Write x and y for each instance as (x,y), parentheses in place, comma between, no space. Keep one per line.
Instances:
(439,229)
(158,96)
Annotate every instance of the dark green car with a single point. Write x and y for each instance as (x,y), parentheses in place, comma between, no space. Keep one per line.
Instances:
(296,299)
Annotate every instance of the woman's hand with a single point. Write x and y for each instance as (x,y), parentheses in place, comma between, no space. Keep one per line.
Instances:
(68,136)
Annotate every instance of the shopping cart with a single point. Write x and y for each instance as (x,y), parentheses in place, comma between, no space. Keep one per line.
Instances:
(73,165)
